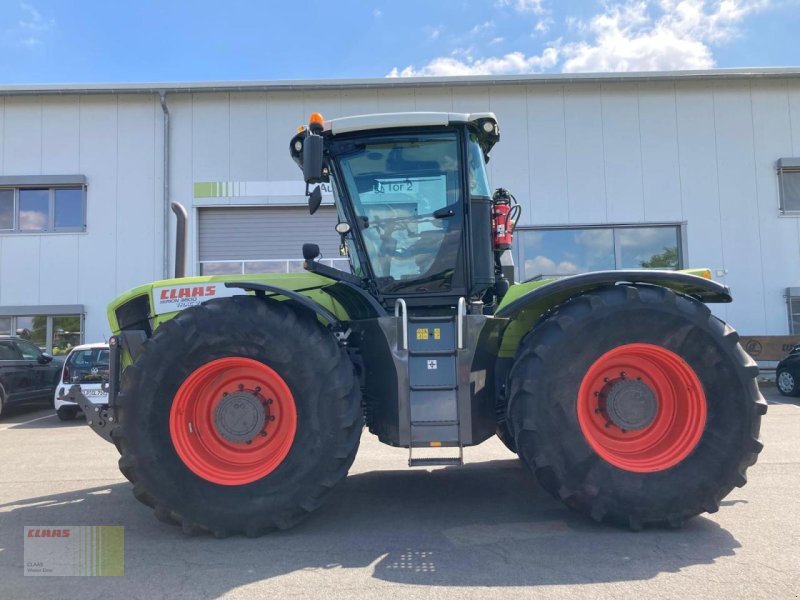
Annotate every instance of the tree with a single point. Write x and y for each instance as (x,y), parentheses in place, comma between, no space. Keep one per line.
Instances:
(668,259)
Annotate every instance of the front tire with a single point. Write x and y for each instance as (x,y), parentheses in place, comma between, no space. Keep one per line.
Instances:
(635,405)
(787,383)
(239,416)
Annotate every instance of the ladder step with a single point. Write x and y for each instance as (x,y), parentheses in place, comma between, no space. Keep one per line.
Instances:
(435,462)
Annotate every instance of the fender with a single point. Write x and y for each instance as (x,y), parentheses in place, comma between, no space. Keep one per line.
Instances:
(261,290)
(526,303)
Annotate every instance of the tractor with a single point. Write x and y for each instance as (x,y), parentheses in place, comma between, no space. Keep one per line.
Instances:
(237,402)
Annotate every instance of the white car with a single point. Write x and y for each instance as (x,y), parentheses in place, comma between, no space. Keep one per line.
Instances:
(87,366)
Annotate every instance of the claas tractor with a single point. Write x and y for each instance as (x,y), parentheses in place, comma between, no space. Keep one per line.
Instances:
(237,402)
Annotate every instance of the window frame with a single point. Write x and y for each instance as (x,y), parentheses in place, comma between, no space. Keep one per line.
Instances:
(792,293)
(679,227)
(783,166)
(51,208)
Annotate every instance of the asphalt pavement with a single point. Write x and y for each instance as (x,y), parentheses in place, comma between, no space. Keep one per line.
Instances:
(483,530)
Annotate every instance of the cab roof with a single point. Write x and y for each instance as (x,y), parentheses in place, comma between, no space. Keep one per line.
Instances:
(404,119)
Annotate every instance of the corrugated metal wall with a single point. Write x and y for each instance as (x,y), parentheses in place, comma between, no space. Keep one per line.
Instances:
(265,233)
(116,142)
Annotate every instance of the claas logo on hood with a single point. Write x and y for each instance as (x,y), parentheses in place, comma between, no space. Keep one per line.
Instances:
(188,292)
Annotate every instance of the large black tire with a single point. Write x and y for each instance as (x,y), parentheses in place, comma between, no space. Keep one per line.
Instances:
(322,382)
(504,433)
(544,384)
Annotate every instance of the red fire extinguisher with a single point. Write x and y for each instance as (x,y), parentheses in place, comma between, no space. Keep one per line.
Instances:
(505,211)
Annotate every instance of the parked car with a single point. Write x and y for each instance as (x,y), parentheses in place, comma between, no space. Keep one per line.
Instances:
(787,373)
(26,373)
(87,366)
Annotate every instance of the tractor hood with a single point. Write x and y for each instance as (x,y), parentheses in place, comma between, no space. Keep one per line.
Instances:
(147,306)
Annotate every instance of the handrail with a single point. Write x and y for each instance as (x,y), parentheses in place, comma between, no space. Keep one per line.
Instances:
(400,310)
(461,317)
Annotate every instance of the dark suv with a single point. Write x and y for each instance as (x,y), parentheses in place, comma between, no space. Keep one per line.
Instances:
(26,373)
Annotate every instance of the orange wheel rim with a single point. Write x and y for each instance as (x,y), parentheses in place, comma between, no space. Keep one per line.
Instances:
(642,408)
(233,421)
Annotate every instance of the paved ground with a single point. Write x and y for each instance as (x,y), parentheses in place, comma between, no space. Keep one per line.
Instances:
(483,530)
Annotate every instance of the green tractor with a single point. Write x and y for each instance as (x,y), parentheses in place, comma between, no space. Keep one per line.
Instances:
(237,402)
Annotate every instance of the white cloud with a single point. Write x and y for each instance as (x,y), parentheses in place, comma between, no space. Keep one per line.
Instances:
(32,220)
(626,35)
(629,37)
(542,265)
(530,6)
(32,26)
(513,62)
(481,28)
(543,25)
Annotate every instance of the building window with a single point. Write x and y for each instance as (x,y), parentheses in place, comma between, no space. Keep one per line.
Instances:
(42,209)
(56,334)
(793,302)
(789,185)
(562,251)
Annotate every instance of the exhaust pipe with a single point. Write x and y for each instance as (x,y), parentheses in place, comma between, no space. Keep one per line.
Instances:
(180,239)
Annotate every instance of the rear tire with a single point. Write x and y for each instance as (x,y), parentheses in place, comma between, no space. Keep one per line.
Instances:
(548,383)
(67,413)
(324,395)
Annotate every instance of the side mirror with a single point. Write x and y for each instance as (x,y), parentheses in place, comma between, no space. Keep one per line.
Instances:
(314,200)
(310,251)
(312,158)
(44,358)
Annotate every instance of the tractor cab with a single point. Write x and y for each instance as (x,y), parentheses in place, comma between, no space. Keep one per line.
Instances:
(413,199)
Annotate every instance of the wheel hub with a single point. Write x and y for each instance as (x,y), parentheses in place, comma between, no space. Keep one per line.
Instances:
(631,404)
(240,416)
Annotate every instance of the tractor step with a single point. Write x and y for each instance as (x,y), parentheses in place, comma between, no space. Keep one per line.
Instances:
(435,461)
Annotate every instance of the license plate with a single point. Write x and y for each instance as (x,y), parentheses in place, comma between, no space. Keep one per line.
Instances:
(94,393)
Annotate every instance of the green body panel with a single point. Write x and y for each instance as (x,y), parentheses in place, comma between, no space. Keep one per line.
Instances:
(287,281)
(525,320)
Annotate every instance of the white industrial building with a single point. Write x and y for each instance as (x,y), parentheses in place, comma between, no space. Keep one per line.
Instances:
(624,170)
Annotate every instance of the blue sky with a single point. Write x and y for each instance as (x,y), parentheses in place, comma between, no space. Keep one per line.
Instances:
(52,41)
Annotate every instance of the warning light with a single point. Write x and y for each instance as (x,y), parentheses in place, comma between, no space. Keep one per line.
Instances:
(316,118)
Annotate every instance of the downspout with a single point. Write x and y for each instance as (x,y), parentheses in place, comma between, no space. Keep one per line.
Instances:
(165,200)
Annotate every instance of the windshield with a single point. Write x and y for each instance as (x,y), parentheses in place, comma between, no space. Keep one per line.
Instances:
(405,193)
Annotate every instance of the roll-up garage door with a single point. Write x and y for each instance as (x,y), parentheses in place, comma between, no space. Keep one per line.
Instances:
(264,239)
